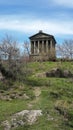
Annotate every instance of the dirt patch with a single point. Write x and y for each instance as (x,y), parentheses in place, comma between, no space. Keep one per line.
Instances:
(37,91)
(41,75)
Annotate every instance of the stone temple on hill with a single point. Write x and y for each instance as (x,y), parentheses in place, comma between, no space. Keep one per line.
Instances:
(42,47)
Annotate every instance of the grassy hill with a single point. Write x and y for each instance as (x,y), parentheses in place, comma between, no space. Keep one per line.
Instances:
(54,96)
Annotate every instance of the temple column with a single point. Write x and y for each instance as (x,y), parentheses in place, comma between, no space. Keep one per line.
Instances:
(38,47)
(47,46)
(34,47)
(51,45)
(42,46)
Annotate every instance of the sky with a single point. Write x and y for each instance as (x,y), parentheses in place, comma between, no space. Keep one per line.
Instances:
(24,18)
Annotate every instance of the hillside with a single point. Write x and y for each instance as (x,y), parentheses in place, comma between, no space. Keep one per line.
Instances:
(52,95)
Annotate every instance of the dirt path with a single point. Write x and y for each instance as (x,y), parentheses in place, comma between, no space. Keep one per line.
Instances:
(37,93)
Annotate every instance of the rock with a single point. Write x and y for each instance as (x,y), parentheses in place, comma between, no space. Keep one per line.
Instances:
(32,116)
(6,125)
(67,73)
(25,96)
(22,113)
(13,96)
(9,97)
(5,97)
(20,122)
(24,117)
(57,72)
(54,73)
(16,122)
(2,97)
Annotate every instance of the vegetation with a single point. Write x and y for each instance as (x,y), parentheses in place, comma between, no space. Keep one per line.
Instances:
(55,98)
(65,50)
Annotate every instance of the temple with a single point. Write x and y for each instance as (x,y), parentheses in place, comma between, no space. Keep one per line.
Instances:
(42,47)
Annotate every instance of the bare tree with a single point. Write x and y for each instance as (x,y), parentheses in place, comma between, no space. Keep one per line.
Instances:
(16,63)
(9,49)
(10,53)
(26,47)
(65,50)
(26,58)
(26,52)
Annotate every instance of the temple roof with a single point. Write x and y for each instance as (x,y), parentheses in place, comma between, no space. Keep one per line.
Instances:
(41,35)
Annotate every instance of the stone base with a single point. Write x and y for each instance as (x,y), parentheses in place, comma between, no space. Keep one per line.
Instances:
(41,58)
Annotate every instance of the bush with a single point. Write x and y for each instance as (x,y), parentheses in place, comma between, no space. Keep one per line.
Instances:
(7,73)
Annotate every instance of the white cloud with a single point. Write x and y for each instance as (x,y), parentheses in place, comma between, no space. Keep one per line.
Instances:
(33,25)
(66,3)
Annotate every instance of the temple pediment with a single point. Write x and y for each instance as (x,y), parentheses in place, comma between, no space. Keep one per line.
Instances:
(40,35)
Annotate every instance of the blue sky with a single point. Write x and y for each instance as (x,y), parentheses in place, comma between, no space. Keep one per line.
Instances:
(23,18)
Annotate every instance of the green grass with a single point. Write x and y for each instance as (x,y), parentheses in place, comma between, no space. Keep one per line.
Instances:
(56,98)
(7,108)
(45,66)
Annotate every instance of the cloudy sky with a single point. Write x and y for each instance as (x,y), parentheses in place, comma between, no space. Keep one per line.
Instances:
(23,18)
